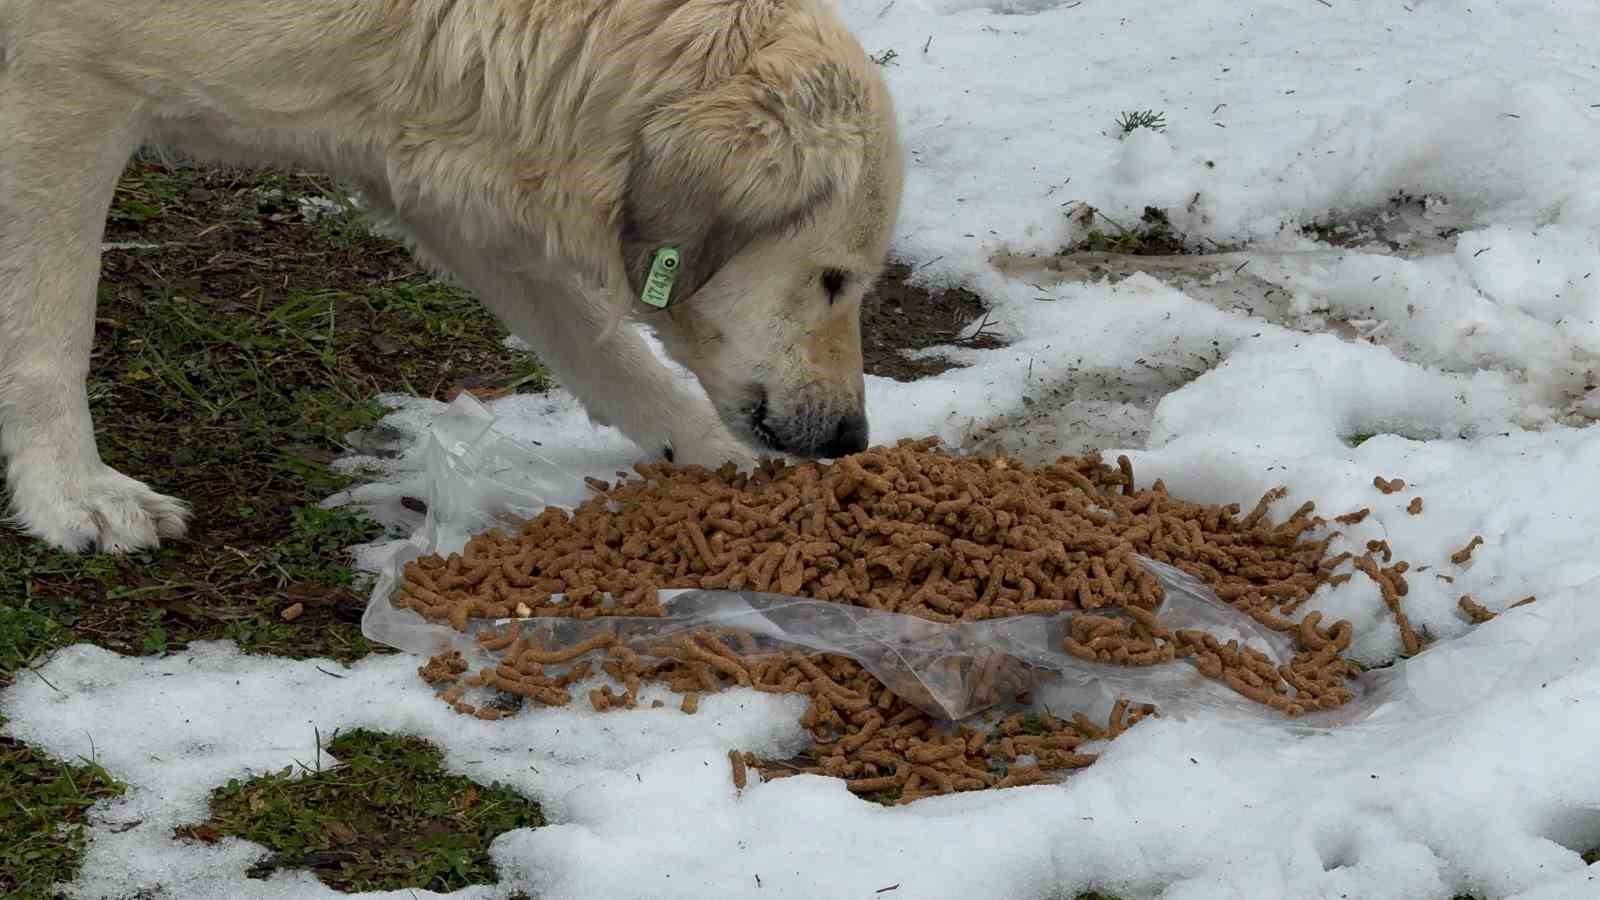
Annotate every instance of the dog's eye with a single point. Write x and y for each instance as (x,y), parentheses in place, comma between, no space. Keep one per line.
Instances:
(833,281)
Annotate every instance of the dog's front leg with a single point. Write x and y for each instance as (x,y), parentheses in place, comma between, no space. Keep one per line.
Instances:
(569,320)
(616,376)
(63,143)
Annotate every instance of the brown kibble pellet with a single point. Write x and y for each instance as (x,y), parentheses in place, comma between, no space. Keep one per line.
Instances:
(292,612)
(1460,557)
(736,759)
(1390,486)
(1475,611)
(1353,518)
(1415,506)
(691,703)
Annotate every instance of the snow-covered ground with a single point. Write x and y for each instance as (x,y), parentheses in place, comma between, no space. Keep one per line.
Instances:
(1467,347)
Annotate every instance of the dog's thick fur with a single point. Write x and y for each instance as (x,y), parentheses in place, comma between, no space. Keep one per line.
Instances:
(540,151)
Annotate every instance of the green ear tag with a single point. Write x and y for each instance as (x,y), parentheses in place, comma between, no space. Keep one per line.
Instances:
(658,285)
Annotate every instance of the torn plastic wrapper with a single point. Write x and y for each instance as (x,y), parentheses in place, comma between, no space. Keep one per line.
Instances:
(479,478)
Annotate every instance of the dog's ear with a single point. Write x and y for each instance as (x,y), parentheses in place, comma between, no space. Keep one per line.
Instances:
(759,154)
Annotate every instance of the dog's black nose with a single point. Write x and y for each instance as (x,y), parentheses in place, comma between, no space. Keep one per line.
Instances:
(850,437)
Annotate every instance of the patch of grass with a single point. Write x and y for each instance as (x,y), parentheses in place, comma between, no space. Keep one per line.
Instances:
(387,817)
(1153,235)
(44,804)
(42,800)
(1361,437)
(1133,120)
(27,633)
(157,602)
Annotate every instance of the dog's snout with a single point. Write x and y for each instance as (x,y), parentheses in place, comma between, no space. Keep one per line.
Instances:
(850,436)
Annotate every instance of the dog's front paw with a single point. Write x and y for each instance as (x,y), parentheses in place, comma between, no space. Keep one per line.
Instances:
(711,448)
(105,511)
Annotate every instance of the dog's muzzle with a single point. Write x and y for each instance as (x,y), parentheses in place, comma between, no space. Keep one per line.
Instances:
(846,435)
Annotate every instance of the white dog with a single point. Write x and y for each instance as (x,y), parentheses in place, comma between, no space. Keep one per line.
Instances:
(551,155)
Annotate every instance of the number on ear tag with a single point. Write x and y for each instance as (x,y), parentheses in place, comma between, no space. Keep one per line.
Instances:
(658,285)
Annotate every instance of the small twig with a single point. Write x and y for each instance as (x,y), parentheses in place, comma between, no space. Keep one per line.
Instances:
(926,45)
(329,674)
(46,681)
(977,335)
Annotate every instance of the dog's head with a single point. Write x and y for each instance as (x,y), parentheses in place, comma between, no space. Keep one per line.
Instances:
(779,189)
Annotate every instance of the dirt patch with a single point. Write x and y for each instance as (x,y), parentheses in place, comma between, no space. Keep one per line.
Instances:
(1406,223)
(897,317)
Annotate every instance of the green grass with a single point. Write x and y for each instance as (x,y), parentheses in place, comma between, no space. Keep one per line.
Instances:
(1134,119)
(1152,235)
(42,807)
(387,817)
(26,633)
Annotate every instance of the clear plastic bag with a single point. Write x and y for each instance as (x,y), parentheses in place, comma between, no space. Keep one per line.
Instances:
(479,478)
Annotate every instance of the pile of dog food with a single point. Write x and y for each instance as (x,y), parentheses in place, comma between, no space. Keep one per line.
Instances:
(911,529)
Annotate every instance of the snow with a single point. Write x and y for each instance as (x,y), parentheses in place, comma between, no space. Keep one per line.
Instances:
(1467,349)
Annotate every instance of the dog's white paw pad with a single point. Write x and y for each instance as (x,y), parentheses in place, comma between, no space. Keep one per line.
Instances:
(109,512)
